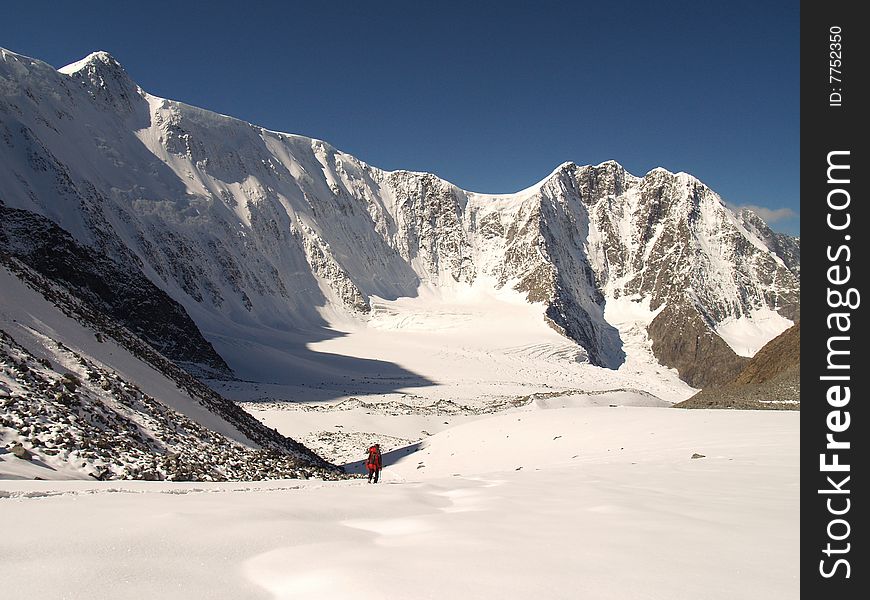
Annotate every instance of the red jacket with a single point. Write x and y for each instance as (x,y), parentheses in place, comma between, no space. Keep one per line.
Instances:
(373,462)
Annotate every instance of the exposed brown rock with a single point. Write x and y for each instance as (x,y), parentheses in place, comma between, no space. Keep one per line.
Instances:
(770,380)
(781,354)
(682,340)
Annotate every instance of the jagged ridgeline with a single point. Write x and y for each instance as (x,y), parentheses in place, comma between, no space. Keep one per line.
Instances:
(252,230)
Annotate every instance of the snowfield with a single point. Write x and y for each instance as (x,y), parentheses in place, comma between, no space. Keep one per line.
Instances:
(593,503)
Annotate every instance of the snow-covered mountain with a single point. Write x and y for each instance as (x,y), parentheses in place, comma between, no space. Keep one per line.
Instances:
(263,236)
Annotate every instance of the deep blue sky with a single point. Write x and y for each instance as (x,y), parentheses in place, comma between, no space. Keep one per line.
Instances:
(489,95)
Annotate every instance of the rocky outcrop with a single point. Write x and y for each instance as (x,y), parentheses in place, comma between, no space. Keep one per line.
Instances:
(683,340)
(771,379)
(105,327)
(107,428)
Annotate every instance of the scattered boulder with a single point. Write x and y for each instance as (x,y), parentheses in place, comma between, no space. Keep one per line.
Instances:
(21,452)
(71,381)
(696,455)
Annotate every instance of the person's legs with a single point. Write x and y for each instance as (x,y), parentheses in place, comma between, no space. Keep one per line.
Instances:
(377,474)
(371,472)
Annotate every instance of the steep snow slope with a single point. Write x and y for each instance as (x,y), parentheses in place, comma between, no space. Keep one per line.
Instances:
(267,238)
(85,398)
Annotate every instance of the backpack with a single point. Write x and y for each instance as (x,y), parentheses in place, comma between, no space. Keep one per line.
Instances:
(374,457)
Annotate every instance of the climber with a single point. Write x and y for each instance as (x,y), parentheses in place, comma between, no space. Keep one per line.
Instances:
(373,462)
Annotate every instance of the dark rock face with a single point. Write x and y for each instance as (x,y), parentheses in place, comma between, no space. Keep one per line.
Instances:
(575,302)
(682,340)
(121,293)
(771,379)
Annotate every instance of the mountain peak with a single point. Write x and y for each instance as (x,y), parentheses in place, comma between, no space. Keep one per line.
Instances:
(566,167)
(104,78)
(610,164)
(98,59)
(661,170)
